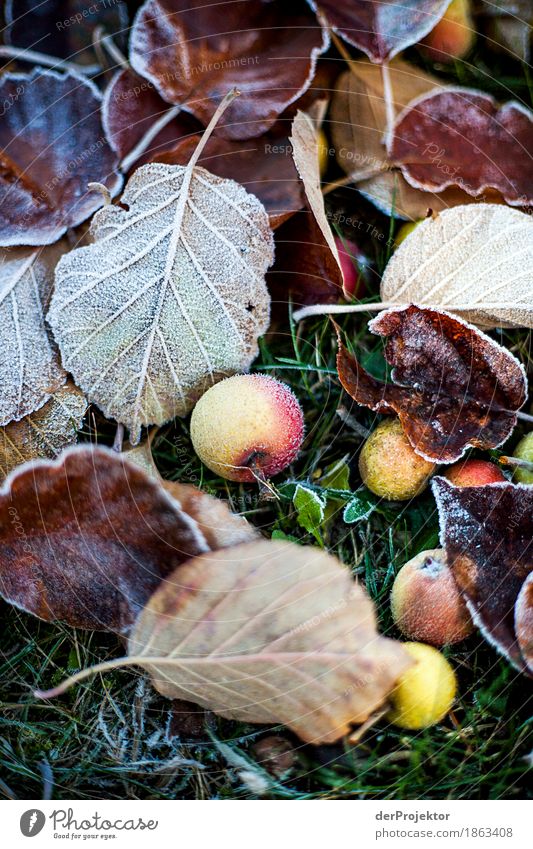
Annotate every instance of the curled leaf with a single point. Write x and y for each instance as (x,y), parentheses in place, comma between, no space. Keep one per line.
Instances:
(475,261)
(30,370)
(44,433)
(460,137)
(381,28)
(88,537)
(192,51)
(452,387)
(48,161)
(487,532)
(267,632)
(523,622)
(169,298)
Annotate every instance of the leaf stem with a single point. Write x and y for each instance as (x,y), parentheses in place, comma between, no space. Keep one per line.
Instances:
(143,144)
(389,104)
(339,309)
(221,108)
(34,56)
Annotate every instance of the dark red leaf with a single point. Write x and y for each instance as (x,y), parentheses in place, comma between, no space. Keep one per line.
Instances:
(458,137)
(304,265)
(194,53)
(65,28)
(381,28)
(523,621)
(130,109)
(263,166)
(488,535)
(87,538)
(452,386)
(52,145)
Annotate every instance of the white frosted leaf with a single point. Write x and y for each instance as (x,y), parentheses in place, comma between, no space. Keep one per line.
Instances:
(29,366)
(44,433)
(475,261)
(169,298)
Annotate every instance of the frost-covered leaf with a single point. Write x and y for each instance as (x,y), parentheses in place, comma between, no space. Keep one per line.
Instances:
(475,261)
(451,386)
(170,297)
(309,508)
(381,28)
(88,537)
(53,146)
(29,366)
(358,509)
(267,632)
(44,433)
(487,532)
(192,52)
(460,137)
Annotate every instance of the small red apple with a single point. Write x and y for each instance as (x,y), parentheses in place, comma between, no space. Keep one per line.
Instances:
(349,255)
(474,473)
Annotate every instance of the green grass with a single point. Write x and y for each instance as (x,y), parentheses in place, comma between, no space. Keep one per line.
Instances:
(114,737)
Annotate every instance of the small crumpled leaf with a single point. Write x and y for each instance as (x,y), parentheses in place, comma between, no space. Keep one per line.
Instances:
(267,632)
(474,261)
(49,159)
(30,370)
(381,28)
(170,297)
(487,532)
(44,433)
(88,537)
(452,386)
(309,508)
(523,621)
(192,51)
(461,137)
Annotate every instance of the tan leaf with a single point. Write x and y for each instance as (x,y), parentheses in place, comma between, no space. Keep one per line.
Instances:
(304,142)
(358,113)
(29,367)
(44,433)
(170,297)
(475,261)
(266,632)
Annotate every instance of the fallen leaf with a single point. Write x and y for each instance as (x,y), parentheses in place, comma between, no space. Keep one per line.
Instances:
(304,142)
(268,632)
(192,52)
(460,137)
(132,109)
(381,28)
(452,387)
(44,433)
(475,261)
(524,621)
(358,115)
(169,298)
(508,24)
(488,535)
(263,166)
(220,526)
(64,28)
(391,194)
(310,507)
(30,371)
(48,161)
(88,537)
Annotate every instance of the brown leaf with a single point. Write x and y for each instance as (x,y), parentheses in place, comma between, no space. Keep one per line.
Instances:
(358,113)
(194,53)
(48,161)
(475,261)
(488,535)
(30,370)
(268,632)
(65,28)
(460,137)
(523,622)
(453,387)
(508,24)
(263,166)
(87,538)
(44,433)
(131,108)
(382,28)
(391,194)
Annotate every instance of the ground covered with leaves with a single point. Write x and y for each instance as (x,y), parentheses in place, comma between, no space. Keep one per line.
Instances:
(115,736)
